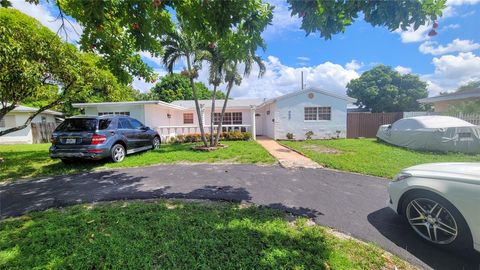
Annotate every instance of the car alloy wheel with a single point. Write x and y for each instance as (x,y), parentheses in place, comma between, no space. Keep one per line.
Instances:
(156,143)
(118,153)
(432,221)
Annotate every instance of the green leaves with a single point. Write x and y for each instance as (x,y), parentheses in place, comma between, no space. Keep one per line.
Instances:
(177,87)
(383,89)
(332,17)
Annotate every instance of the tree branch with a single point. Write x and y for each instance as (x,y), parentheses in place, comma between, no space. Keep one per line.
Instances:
(39,111)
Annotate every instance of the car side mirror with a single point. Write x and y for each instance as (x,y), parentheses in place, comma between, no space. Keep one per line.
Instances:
(144,128)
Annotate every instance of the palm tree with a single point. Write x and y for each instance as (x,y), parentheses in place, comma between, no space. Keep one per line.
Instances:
(213,55)
(232,77)
(178,45)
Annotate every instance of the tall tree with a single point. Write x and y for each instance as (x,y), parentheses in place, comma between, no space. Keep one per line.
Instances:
(33,60)
(215,57)
(177,87)
(233,77)
(383,89)
(333,17)
(179,45)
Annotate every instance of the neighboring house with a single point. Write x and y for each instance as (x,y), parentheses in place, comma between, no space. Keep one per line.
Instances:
(17,117)
(322,112)
(443,102)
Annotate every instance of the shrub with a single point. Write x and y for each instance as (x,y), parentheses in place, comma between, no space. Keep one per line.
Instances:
(179,139)
(290,136)
(309,135)
(226,136)
(247,136)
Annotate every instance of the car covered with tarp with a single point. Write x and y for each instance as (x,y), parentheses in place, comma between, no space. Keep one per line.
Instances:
(433,133)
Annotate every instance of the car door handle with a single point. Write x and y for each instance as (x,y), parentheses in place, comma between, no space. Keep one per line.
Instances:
(112,132)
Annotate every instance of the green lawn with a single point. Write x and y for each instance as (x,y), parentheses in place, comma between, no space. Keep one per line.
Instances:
(367,156)
(166,234)
(23,161)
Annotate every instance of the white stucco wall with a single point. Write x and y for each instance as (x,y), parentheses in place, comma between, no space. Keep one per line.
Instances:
(136,111)
(322,129)
(25,135)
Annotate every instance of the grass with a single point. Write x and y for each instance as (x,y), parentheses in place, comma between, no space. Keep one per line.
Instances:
(367,156)
(24,161)
(166,234)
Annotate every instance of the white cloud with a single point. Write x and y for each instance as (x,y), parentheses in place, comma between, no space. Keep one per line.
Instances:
(353,65)
(45,17)
(280,79)
(457,45)
(451,26)
(452,71)
(403,70)
(462,2)
(303,58)
(411,35)
(282,21)
(148,56)
(143,86)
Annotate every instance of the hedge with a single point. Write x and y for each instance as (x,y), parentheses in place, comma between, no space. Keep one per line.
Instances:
(224,136)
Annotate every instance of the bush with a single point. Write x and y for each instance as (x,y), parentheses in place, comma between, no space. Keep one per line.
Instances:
(309,135)
(224,136)
(290,136)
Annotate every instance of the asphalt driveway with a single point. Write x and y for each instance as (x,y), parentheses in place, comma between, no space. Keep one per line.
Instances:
(351,203)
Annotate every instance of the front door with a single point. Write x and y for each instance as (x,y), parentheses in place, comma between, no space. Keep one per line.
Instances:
(258,124)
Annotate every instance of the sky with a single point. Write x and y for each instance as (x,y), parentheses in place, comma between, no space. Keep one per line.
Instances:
(445,61)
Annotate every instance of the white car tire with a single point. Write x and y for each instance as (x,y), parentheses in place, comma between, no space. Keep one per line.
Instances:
(436,220)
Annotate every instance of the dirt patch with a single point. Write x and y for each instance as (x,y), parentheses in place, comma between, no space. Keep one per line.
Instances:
(321,149)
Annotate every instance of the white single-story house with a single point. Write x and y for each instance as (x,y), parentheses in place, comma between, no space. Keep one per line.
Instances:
(321,112)
(17,117)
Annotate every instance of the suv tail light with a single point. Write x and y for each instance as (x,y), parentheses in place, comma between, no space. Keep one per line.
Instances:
(98,139)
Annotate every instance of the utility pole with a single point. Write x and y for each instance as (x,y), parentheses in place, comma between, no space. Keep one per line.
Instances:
(302,80)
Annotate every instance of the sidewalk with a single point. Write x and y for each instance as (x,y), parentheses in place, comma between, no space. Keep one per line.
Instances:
(286,157)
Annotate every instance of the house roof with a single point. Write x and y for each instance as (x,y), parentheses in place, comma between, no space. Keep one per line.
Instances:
(219,103)
(21,108)
(158,102)
(317,90)
(466,94)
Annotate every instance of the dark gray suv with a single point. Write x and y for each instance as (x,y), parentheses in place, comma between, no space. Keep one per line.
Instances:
(98,137)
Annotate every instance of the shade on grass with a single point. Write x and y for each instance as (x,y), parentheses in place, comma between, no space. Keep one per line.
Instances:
(177,235)
(368,156)
(22,161)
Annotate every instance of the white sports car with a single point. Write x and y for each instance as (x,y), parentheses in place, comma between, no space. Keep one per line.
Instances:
(441,202)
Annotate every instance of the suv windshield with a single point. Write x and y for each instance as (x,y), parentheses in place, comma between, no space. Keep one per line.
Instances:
(78,124)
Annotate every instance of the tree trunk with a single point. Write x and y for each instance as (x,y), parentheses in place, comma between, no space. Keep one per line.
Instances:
(197,105)
(212,115)
(219,128)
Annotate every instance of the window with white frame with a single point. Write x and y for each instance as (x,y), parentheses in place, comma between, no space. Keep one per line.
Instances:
(188,118)
(229,118)
(114,113)
(7,121)
(317,113)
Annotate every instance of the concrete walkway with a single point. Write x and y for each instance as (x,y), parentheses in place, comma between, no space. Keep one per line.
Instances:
(286,157)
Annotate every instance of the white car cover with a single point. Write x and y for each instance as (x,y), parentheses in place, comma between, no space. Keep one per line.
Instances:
(433,133)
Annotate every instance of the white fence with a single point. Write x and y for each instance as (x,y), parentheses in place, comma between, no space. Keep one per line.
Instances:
(469,117)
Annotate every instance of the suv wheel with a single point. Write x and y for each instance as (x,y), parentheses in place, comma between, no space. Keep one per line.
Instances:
(156,142)
(117,153)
